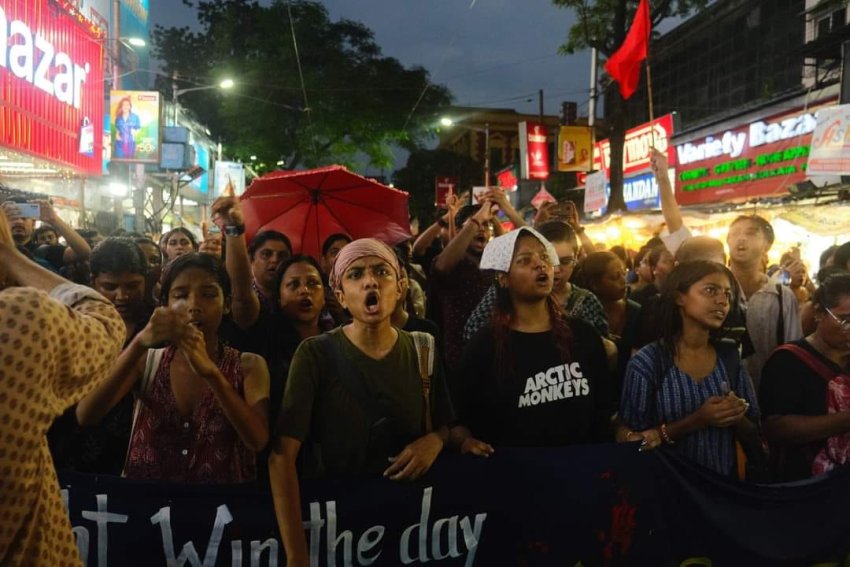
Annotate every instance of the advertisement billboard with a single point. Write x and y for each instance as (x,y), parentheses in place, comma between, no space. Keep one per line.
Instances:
(229,178)
(533,151)
(135,119)
(574,144)
(761,157)
(51,84)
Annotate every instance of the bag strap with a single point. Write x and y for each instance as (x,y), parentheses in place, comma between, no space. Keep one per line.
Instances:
(152,361)
(780,324)
(810,360)
(425,353)
(349,376)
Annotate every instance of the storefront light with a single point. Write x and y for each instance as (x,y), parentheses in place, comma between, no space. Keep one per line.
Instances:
(118,189)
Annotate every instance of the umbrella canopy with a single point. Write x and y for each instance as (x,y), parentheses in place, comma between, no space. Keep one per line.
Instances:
(308,206)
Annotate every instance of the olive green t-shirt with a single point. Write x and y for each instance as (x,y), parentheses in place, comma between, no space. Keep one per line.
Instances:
(319,408)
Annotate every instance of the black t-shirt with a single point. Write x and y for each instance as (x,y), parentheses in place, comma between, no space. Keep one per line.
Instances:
(790,387)
(541,400)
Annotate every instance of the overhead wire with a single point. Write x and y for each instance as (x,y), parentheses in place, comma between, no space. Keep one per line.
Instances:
(437,72)
(307,108)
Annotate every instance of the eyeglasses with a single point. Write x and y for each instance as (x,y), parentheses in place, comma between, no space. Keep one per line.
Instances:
(843,323)
(567,260)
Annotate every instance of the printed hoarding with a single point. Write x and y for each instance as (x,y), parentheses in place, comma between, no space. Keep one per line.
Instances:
(637,147)
(574,144)
(136,117)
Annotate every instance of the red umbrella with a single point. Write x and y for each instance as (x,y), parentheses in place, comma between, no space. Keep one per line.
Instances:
(308,206)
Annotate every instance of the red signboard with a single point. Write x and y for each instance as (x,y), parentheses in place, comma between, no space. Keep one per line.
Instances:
(51,84)
(507,179)
(534,150)
(637,147)
(761,157)
(443,186)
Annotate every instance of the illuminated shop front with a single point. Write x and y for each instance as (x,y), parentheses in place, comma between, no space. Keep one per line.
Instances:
(51,99)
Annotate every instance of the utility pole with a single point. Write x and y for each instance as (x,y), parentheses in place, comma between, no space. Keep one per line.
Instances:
(591,106)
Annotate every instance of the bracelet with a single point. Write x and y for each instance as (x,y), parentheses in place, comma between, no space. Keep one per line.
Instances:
(664,435)
(234,230)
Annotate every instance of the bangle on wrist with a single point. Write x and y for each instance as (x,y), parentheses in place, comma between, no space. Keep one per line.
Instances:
(234,230)
(664,434)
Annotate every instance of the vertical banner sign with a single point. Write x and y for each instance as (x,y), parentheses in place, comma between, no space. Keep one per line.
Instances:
(533,151)
(574,144)
(51,83)
(830,153)
(229,178)
(595,196)
(135,120)
(442,187)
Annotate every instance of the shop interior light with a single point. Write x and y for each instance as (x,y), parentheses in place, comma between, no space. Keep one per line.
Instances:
(118,189)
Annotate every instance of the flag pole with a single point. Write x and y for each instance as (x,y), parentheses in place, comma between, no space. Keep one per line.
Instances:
(649,92)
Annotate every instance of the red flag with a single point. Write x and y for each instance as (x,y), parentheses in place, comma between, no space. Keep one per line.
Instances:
(624,64)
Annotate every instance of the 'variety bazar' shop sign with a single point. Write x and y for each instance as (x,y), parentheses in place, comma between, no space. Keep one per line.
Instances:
(51,83)
(762,157)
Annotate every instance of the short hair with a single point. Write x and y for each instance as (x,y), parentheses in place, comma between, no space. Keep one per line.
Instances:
(655,255)
(558,231)
(44,228)
(830,292)
(206,262)
(761,223)
(262,237)
(182,229)
(841,256)
(117,255)
(699,248)
(326,245)
(827,272)
(465,213)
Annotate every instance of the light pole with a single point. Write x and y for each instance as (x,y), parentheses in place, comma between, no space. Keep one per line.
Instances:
(448,122)
(175,92)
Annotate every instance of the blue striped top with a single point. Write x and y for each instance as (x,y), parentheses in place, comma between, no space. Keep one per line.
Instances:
(650,399)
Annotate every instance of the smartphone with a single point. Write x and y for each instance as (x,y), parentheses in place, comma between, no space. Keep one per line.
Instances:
(29,210)
(213,229)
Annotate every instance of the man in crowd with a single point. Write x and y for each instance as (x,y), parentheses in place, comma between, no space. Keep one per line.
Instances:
(267,250)
(53,257)
(41,377)
(456,283)
(330,248)
(118,272)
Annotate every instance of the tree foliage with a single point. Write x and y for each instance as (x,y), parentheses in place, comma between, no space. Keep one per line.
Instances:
(354,103)
(602,24)
(423,167)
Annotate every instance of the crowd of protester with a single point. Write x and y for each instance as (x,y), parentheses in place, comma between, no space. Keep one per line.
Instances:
(244,362)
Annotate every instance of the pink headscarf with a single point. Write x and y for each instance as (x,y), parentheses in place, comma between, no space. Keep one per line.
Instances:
(360,249)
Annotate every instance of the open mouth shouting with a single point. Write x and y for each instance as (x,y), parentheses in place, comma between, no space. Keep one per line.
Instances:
(305,304)
(542,279)
(372,303)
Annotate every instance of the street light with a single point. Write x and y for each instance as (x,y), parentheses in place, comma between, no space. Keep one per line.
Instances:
(175,92)
(448,123)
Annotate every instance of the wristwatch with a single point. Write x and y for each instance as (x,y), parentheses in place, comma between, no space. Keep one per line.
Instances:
(234,230)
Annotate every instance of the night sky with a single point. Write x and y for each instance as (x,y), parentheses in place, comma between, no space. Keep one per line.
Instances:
(490,53)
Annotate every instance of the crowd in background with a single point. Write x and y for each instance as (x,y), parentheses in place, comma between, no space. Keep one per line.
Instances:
(244,362)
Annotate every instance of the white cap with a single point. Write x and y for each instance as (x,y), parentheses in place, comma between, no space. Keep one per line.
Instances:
(500,251)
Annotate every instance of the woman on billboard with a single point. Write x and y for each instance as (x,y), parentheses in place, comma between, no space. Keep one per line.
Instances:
(127,124)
